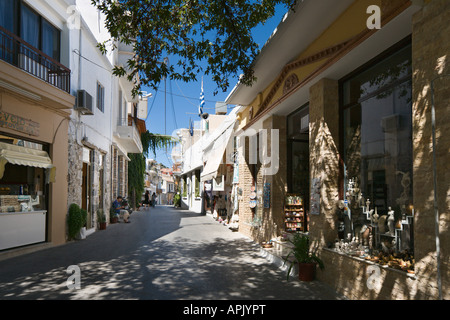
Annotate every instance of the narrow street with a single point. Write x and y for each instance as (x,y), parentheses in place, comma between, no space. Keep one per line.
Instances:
(163,254)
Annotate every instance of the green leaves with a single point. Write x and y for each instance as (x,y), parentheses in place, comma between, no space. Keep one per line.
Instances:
(302,252)
(151,141)
(202,37)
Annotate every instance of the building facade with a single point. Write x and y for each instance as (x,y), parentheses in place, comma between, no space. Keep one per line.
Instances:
(64,109)
(36,104)
(354,119)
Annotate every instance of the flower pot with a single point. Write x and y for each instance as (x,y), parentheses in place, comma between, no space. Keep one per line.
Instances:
(114,220)
(306,271)
(81,234)
(102,225)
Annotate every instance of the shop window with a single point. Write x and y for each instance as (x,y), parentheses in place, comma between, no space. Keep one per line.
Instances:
(23,188)
(377,151)
(298,153)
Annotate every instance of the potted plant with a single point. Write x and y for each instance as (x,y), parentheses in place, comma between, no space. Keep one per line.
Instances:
(306,258)
(101,219)
(82,233)
(74,221)
(114,217)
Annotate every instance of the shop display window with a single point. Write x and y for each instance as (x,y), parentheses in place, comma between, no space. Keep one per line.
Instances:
(298,153)
(376,213)
(22,187)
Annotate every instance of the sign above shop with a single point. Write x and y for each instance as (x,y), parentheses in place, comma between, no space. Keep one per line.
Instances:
(14,122)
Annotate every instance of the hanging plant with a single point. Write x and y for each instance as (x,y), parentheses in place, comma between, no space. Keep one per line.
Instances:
(136,167)
(151,141)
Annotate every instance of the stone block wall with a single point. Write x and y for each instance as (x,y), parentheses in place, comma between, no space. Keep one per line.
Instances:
(75,169)
(271,219)
(431,62)
(324,157)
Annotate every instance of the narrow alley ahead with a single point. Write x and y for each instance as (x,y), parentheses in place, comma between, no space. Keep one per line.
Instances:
(163,254)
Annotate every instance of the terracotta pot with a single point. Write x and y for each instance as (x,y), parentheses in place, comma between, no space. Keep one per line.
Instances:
(114,220)
(102,225)
(306,271)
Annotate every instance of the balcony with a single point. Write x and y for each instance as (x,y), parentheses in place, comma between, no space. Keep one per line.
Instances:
(20,54)
(128,136)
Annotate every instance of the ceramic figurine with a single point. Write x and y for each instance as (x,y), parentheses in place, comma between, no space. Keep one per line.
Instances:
(371,216)
(382,224)
(390,222)
(375,217)
(365,232)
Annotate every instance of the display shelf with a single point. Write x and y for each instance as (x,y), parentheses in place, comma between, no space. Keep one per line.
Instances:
(294,213)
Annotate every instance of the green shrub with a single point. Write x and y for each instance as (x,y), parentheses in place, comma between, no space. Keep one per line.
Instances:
(74,220)
(83,217)
(177,200)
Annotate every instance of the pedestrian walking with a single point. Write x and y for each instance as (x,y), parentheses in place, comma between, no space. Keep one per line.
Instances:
(153,199)
(147,199)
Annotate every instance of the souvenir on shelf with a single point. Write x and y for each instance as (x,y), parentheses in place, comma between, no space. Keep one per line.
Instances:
(294,215)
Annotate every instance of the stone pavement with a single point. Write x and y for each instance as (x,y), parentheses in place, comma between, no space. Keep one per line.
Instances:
(163,254)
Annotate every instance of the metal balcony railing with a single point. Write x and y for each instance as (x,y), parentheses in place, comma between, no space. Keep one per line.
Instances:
(19,53)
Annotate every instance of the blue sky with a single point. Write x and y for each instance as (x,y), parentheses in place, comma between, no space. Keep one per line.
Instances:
(174,107)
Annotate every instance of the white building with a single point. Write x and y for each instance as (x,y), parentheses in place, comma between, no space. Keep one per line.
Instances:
(104,123)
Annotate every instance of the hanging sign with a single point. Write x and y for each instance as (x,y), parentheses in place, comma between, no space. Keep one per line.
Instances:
(13,122)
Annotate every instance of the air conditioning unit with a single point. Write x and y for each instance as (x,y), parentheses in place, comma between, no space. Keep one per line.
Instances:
(84,103)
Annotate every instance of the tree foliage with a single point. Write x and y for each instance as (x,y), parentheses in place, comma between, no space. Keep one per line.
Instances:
(206,37)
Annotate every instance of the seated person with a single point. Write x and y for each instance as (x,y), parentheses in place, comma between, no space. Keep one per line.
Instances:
(117,205)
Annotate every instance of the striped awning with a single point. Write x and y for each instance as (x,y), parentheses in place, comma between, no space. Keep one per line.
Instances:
(23,156)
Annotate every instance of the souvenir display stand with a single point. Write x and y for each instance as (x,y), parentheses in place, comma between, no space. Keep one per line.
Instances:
(294,213)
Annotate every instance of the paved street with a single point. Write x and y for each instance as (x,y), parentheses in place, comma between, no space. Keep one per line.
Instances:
(164,253)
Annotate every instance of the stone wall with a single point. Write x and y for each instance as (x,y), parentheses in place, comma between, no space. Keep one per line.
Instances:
(270,221)
(324,157)
(75,176)
(431,60)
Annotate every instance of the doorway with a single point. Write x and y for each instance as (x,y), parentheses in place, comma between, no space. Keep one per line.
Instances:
(298,177)
(86,187)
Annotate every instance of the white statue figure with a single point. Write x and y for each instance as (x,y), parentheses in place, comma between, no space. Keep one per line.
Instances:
(371,216)
(390,221)
(364,235)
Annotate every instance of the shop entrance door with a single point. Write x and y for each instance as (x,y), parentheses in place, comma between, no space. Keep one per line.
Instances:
(298,154)
(85,194)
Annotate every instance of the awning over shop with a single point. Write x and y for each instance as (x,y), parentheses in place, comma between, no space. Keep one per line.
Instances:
(193,157)
(213,152)
(23,156)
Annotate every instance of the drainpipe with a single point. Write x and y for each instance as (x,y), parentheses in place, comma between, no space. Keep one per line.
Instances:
(436,212)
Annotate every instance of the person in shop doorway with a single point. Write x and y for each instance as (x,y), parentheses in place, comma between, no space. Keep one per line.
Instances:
(120,209)
(153,199)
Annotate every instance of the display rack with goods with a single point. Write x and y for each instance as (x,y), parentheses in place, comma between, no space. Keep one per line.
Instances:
(294,213)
